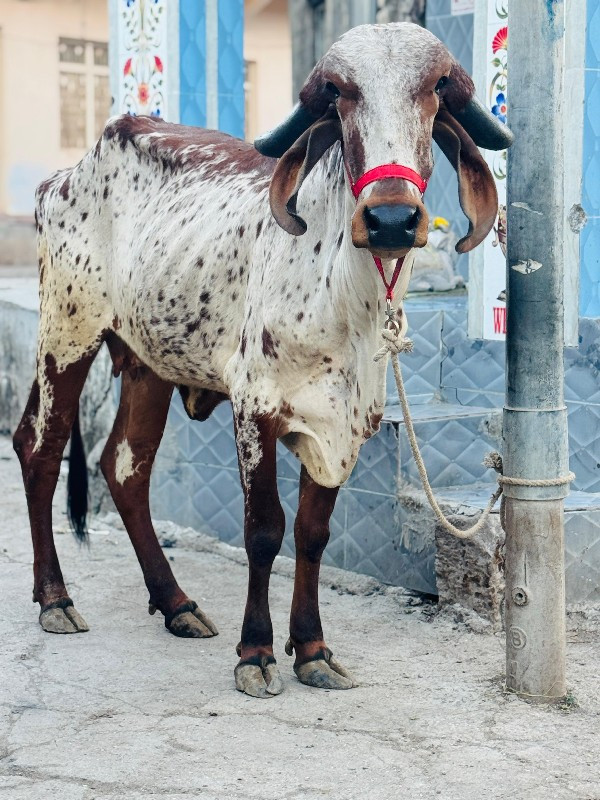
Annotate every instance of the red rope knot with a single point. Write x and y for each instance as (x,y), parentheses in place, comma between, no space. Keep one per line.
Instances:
(389,287)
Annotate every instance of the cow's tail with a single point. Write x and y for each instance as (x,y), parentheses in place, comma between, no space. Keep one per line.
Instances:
(77,485)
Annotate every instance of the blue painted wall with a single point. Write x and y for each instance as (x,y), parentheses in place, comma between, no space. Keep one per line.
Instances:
(231,67)
(192,62)
(590,236)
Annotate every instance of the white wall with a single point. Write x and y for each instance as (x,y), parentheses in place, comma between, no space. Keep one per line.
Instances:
(29,82)
(267,42)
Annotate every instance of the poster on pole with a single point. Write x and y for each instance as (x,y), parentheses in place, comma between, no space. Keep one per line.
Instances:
(487,270)
(496,99)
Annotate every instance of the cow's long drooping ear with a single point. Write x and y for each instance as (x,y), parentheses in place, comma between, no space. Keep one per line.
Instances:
(476,187)
(483,127)
(293,167)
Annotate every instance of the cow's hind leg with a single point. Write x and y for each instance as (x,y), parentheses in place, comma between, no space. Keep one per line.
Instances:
(39,442)
(127,463)
(256,673)
(314,664)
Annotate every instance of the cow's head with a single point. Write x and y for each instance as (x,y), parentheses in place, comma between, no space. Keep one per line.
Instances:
(385,91)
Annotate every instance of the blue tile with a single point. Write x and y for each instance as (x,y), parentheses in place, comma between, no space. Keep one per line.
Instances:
(473,397)
(590,270)
(584,445)
(171,487)
(471,364)
(231,66)
(456,32)
(437,8)
(192,109)
(288,466)
(217,503)
(591,172)
(421,368)
(231,114)
(581,365)
(453,449)
(369,531)
(192,62)
(591,143)
(377,467)
(592,52)
(582,556)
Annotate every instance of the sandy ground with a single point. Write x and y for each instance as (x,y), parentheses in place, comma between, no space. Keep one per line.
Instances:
(128,711)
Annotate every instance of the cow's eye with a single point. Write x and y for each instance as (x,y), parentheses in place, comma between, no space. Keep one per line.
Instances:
(440,84)
(332,90)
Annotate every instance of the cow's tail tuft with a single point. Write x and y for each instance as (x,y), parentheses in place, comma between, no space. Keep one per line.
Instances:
(77,485)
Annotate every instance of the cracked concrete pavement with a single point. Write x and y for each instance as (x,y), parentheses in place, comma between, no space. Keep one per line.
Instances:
(129,711)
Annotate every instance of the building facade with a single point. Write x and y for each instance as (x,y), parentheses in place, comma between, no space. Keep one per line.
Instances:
(54,94)
(63,64)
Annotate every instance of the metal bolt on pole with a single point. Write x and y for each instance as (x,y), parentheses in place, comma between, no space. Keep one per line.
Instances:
(535,421)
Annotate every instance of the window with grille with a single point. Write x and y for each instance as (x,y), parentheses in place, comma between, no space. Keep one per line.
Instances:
(84,91)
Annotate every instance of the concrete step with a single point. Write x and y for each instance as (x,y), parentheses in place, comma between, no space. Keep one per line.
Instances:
(582,534)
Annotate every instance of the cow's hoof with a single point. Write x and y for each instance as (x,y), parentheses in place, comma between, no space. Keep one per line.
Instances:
(190,622)
(258,679)
(62,617)
(325,673)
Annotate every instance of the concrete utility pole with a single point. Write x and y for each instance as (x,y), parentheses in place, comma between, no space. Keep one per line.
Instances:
(535,417)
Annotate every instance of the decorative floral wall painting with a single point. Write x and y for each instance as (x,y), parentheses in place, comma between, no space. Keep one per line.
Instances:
(142,36)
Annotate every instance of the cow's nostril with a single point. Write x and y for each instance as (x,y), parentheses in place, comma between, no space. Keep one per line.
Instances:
(413,220)
(371,220)
(392,226)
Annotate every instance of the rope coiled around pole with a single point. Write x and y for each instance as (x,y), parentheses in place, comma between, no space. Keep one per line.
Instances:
(394,344)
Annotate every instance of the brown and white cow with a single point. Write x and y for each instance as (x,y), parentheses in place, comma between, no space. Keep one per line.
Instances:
(182,249)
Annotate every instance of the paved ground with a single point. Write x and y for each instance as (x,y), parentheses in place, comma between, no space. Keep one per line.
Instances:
(129,711)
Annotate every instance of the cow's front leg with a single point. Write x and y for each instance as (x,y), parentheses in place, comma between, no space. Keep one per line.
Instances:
(314,664)
(256,673)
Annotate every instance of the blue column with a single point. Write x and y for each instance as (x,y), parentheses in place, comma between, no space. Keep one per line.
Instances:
(590,235)
(211,53)
(192,62)
(231,66)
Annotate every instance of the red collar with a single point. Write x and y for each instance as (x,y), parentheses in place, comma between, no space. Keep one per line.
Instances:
(387,171)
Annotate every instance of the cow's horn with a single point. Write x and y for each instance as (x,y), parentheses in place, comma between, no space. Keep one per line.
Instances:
(483,127)
(276,142)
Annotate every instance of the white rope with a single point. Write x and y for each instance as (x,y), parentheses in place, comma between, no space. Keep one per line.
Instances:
(394,344)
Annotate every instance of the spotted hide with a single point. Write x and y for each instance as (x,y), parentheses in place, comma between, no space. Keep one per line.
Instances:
(207,266)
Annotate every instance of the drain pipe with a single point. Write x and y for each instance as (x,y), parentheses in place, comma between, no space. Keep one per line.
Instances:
(535,417)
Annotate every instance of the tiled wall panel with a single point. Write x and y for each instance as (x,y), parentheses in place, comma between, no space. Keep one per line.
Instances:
(196,480)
